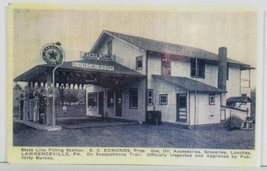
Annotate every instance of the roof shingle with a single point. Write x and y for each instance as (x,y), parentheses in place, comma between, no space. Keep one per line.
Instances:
(169,48)
(86,66)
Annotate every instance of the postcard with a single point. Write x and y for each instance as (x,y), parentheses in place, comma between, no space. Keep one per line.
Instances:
(132,85)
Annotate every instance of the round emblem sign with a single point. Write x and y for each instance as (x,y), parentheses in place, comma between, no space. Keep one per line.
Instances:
(52,54)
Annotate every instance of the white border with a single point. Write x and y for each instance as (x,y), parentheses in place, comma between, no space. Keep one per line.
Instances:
(264,120)
(3,54)
(257,4)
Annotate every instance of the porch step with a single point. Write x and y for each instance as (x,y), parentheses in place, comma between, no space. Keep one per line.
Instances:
(39,126)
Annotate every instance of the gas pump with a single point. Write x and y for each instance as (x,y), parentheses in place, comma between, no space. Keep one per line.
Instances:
(40,106)
(21,106)
(36,107)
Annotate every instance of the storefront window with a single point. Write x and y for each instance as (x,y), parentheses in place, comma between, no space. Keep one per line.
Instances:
(110,99)
(163,99)
(133,98)
(92,99)
(150,100)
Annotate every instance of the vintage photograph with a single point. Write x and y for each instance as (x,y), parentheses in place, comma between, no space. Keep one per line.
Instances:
(135,77)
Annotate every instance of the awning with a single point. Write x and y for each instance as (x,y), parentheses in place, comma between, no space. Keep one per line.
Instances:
(190,84)
(242,99)
(82,72)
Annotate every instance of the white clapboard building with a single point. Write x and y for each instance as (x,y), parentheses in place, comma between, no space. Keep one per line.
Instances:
(127,77)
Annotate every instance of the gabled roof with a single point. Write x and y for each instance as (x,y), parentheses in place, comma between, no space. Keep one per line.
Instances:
(190,84)
(168,48)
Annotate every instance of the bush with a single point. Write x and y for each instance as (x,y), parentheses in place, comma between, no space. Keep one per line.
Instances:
(233,123)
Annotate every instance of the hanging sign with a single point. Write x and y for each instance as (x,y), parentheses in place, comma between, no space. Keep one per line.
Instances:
(92,66)
(95,56)
(52,53)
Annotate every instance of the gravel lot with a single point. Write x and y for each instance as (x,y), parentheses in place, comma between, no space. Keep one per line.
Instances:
(164,136)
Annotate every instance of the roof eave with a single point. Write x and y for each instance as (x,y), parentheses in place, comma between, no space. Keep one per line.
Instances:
(215,91)
(246,67)
(211,91)
(21,77)
(122,40)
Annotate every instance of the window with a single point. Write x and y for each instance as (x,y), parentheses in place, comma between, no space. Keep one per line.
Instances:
(212,99)
(110,98)
(150,100)
(109,48)
(182,101)
(139,62)
(92,99)
(133,98)
(197,68)
(163,99)
(165,66)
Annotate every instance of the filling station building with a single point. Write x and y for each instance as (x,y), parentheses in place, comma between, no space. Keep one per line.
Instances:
(127,77)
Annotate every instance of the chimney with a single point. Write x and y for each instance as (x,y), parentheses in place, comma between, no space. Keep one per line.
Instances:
(222,68)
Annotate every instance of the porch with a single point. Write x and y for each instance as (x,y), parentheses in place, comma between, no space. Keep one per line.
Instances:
(71,98)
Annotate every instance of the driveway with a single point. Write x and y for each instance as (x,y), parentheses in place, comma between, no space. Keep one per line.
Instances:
(135,135)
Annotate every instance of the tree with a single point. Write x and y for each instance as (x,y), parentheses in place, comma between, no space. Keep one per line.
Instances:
(17,87)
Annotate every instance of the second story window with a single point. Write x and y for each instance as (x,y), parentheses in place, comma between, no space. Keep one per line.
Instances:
(165,66)
(197,68)
(109,44)
(139,62)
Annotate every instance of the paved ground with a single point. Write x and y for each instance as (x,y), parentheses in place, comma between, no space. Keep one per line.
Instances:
(93,122)
(130,135)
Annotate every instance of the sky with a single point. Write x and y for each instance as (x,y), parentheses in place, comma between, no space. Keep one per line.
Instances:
(78,30)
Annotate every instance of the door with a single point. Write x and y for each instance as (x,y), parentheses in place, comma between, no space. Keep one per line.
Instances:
(92,104)
(101,103)
(118,102)
(181,110)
